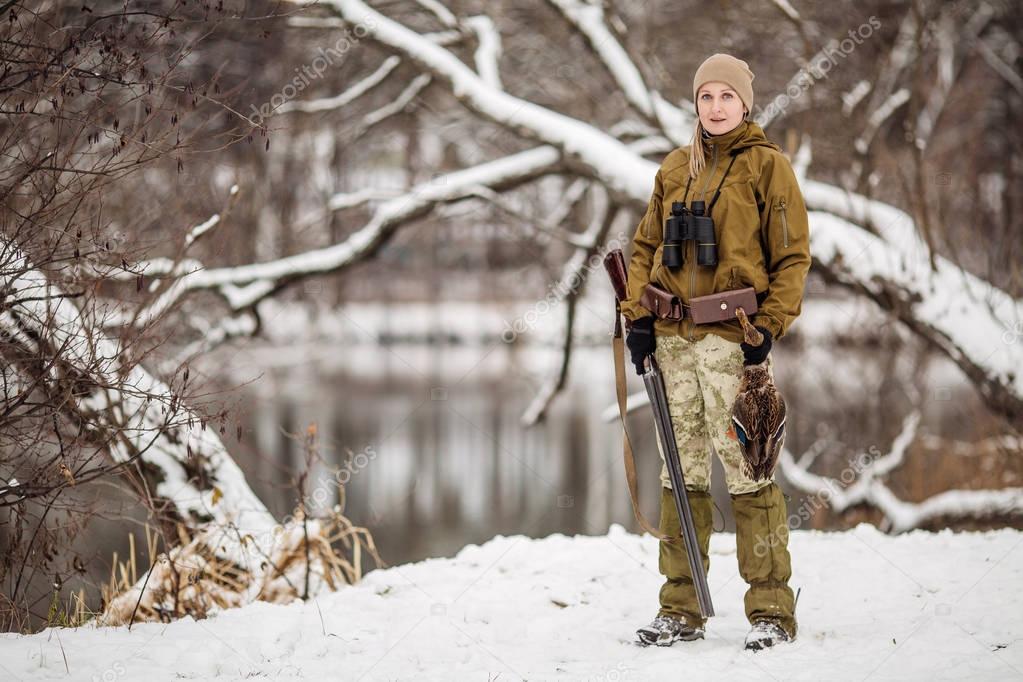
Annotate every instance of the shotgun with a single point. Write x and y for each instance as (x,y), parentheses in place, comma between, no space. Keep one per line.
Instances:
(653,380)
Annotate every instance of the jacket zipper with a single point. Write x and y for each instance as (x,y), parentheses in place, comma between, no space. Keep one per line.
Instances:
(784,224)
(646,229)
(692,282)
(692,261)
(714,167)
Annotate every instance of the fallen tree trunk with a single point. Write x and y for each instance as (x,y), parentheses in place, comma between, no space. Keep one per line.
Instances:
(233,550)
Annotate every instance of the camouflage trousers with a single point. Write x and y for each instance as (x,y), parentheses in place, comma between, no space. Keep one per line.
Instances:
(702,378)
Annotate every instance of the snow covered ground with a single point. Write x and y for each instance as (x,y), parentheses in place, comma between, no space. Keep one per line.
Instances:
(873,607)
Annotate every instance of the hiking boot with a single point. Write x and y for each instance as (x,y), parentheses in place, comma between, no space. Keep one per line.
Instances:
(765,633)
(666,630)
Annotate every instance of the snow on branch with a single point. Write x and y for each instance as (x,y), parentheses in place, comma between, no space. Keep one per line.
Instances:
(245,285)
(977,325)
(488,54)
(351,94)
(588,19)
(235,551)
(808,31)
(973,322)
(396,106)
(602,155)
(788,11)
(866,473)
(38,316)
(443,14)
(583,261)
(362,86)
(999,65)
(879,117)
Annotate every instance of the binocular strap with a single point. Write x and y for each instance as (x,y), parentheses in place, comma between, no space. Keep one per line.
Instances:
(717,192)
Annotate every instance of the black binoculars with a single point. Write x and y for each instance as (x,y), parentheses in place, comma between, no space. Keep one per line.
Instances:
(683,225)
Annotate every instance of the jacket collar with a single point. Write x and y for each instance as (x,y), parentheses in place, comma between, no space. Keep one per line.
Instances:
(726,141)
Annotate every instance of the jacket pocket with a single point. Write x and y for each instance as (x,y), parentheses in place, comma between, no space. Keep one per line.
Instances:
(726,278)
(734,281)
(781,208)
(740,277)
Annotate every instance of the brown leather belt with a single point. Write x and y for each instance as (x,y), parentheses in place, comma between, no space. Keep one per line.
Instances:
(702,309)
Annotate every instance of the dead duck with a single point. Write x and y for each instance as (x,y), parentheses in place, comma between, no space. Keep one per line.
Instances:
(758,413)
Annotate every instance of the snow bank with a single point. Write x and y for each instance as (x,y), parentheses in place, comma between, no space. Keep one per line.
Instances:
(916,606)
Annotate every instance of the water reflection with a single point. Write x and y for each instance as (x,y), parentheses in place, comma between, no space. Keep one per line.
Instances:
(452,464)
(446,461)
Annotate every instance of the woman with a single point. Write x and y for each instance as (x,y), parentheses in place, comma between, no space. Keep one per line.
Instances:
(762,235)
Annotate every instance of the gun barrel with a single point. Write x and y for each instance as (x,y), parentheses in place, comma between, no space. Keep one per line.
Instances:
(654,382)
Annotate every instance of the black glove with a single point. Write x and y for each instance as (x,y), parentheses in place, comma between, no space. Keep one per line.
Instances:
(757,354)
(640,340)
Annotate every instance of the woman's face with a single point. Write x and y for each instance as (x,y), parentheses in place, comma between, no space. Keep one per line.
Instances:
(719,107)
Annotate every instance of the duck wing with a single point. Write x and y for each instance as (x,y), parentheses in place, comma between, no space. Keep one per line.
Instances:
(758,419)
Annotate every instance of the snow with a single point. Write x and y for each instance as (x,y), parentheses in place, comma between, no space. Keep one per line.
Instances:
(851,98)
(351,94)
(489,51)
(976,322)
(248,284)
(152,424)
(624,172)
(788,9)
(163,439)
(590,21)
(899,515)
(915,606)
(289,325)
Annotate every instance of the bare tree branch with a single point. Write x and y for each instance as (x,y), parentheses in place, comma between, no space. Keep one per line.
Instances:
(869,488)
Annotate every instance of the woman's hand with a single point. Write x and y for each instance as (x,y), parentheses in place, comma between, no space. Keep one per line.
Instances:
(754,355)
(640,340)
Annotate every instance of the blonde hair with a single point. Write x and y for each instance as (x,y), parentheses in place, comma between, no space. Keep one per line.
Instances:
(697,154)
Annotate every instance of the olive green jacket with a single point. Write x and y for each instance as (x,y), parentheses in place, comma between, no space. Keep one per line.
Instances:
(761,227)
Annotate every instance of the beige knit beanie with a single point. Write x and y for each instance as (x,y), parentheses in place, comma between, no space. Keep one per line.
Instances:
(726,69)
(737,75)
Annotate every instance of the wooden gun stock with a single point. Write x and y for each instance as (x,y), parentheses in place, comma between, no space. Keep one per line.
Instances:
(614,263)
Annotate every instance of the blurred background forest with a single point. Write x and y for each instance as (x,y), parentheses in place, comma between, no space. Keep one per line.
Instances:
(301,241)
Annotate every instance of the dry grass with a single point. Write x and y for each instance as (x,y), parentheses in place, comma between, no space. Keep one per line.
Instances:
(193,579)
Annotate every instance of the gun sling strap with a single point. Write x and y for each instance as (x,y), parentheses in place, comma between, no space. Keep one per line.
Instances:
(618,350)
